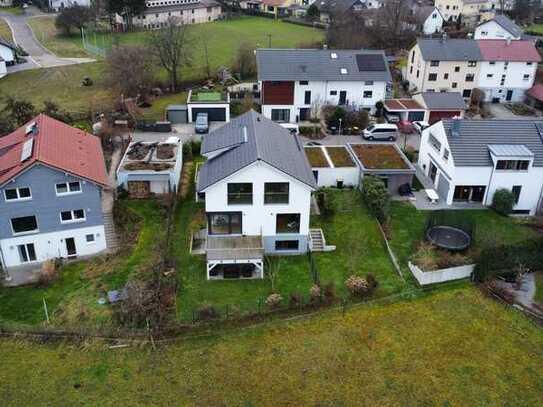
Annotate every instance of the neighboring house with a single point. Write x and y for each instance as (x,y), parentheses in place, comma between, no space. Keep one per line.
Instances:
(257,186)
(508,69)
(51,181)
(471,10)
(504,69)
(57,5)
(6,3)
(441,105)
(468,160)
(149,168)
(429,19)
(330,8)
(296,83)
(158,13)
(8,52)
(498,28)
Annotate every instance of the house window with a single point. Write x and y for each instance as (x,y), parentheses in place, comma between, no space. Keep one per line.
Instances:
(307,97)
(456,69)
(304,82)
(526,77)
(512,165)
(287,245)
(472,64)
(483,33)
(411,69)
(434,63)
(516,192)
(466,93)
(288,223)
(18,194)
(489,75)
(529,63)
(68,188)
(492,63)
(368,83)
(432,77)
(280,115)
(333,93)
(27,252)
(276,192)
(446,76)
(454,85)
(446,155)
(434,143)
(368,94)
(76,215)
(89,238)
(240,193)
(470,77)
(418,73)
(412,56)
(24,224)
(228,223)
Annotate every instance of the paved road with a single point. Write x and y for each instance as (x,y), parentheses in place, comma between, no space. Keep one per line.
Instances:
(39,56)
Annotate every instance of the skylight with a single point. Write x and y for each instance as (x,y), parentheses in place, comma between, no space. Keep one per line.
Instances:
(30,128)
(333,55)
(343,71)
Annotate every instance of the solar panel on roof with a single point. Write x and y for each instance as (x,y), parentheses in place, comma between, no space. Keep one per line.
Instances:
(26,153)
(370,62)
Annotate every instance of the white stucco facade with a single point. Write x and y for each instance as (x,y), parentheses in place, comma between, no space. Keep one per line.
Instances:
(53,245)
(433,23)
(3,69)
(60,4)
(448,175)
(491,30)
(506,81)
(191,12)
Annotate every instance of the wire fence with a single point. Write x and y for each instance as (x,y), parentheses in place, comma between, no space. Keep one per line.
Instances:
(98,45)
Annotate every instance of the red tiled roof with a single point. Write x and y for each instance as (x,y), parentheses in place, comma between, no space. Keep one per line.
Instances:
(516,50)
(536,92)
(402,104)
(57,145)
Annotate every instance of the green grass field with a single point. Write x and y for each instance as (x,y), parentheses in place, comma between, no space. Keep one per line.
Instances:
(538,28)
(45,31)
(5,31)
(453,348)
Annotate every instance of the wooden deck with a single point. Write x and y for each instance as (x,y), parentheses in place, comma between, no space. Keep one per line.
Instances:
(219,248)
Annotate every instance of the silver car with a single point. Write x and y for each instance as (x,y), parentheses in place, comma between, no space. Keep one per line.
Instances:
(202,124)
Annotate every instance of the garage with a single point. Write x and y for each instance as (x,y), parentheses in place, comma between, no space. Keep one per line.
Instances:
(214,114)
(436,116)
(177,114)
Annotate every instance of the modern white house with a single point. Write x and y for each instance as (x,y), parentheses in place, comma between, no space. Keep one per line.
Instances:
(499,28)
(296,83)
(51,181)
(7,52)
(6,3)
(158,13)
(468,160)
(257,186)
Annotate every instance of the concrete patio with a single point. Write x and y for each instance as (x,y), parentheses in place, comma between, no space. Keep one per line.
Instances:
(21,275)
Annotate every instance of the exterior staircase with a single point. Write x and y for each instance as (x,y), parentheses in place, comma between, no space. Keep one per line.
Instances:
(111,237)
(317,243)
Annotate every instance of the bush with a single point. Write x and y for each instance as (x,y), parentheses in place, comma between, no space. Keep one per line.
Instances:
(333,114)
(309,130)
(296,300)
(329,293)
(357,286)
(358,119)
(326,204)
(315,294)
(503,201)
(376,197)
(274,300)
(48,273)
(206,312)
(372,281)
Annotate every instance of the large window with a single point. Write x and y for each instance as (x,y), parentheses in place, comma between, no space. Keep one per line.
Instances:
(27,252)
(227,223)
(432,77)
(68,187)
(276,192)
(434,143)
(516,192)
(280,115)
(287,245)
(470,77)
(240,193)
(288,223)
(368,94)
(77,215)
(24,224)
(17,194)
(512,165)
(434,63)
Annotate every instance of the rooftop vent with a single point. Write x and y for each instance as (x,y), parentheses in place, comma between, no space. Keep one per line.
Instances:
(333,55)
(244,134)
(31,128)
(26,152)
(343,71)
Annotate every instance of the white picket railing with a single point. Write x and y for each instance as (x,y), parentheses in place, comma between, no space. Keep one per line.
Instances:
(442,275)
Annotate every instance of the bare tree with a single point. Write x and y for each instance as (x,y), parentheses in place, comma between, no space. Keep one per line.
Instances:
(172,46)
(205,40)
(130,69)
(245,62)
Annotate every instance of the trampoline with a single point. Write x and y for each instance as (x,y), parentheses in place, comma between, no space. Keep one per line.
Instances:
(447,237)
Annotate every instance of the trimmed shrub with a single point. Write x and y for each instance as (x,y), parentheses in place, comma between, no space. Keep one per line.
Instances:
(315,294)
(376,197)
(357,286)
(503,201)
(274,300)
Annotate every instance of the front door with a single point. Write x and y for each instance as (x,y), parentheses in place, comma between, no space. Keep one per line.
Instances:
(342,97)
(305,113)
(432,172)
(70,247)
(509,95)
(478,193)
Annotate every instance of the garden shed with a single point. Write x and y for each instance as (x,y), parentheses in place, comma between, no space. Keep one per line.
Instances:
(151,168)
(384,160)
(333,166)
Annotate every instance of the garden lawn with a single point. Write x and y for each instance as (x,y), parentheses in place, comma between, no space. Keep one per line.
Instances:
(537,28)
(359,246)
(5,31)
(408,228)
(233,296)
(13,10)
(63,46)
(538,297)
(452,348)
(72,299)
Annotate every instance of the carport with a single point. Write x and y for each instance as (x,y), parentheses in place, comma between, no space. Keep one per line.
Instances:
(441,105)
(215,104)
(407,109)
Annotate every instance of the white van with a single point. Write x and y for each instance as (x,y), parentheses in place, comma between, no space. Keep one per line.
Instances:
(384,131)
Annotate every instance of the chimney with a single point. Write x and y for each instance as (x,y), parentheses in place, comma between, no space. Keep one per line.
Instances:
(455,128)
(324,46)
(508,41)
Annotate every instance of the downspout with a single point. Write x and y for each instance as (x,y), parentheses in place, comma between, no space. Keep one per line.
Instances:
(490,182)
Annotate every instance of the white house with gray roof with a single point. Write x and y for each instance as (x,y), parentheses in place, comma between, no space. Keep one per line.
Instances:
(500,27)
(257,186)
(295,83)
(468,160)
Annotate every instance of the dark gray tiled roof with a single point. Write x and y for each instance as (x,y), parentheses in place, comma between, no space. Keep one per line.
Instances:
(507,24)
(470,146)
(318,65)
(179,7)
(450,49)
(248,138)
(338,6)
(443,100)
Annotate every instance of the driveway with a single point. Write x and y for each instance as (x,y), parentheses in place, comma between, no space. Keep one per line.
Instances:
(184,131)
(499,111)
(412,140)
(39,56)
